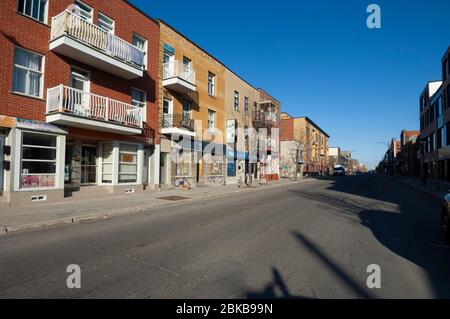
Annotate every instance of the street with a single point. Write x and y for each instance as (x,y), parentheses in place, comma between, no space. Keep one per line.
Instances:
(310,240)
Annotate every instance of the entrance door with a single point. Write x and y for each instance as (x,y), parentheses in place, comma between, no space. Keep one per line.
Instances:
(169,65)
(79,80)
(187,64)
(2,155)
(88,165)
(167,113)
(163,169)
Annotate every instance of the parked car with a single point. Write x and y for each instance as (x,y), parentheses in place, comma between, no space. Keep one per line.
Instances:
(338,171)
(445,219)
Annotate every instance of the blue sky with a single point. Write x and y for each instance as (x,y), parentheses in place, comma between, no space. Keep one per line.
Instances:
(319,58)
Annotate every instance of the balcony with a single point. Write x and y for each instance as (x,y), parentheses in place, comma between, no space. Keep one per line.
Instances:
(72,107)
(177,124)
(179,77)
(264,119)
(83,41)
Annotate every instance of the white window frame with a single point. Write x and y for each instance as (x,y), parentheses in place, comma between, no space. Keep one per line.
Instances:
(138,170)
(27,81)
(183,103)
(211,84)
(20,158)
(246,105)
(141,104)
(103,19)
(103,162)
(213,121)
(145,49)
(30,16)
(236,101)
(91,12)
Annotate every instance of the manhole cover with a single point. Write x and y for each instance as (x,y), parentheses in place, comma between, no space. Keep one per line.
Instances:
(173,198)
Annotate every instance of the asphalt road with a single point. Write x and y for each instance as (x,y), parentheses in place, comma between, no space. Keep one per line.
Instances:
(311,240)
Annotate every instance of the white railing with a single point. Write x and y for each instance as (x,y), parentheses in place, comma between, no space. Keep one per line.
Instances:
(65,99)
(84,31)
(180,70)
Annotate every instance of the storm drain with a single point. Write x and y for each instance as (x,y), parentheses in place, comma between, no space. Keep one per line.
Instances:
(174,198)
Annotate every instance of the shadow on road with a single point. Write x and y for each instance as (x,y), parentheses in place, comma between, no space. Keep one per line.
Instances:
(270,290)
(404,220)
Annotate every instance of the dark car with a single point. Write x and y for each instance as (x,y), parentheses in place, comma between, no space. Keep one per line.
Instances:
(339,171)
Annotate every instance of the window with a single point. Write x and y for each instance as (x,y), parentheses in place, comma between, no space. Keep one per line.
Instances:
(448,97)
(211,120)
(447,134)
(183,163)
(128,163)
(83,11)
(236,100)
(138,97)
(186,110)
(28,69)
(36,9)
(106,23)
(107,162)
(211,84)
(216,168)
(140,43)
(445,70)
(38,162)
(246,105)
(255,108)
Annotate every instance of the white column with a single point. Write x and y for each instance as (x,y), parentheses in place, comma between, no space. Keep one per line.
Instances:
(153,171)
(140,162)
(60,161)
(115,171)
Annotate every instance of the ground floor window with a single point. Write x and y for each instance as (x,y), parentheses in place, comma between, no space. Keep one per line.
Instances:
(38,160)
(216,168)
(184,163)
(128,163)
(107,162)
(231,168)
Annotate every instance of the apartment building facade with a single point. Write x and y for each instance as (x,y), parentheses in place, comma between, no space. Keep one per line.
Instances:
(313,141)
(434,118)
(408,157)
(241,99)
(192,112)
(266,122)
(79,99)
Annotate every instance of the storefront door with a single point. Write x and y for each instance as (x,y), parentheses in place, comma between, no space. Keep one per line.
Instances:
(88,165)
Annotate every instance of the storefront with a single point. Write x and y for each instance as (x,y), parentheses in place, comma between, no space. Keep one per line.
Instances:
(32,161)
(113,165)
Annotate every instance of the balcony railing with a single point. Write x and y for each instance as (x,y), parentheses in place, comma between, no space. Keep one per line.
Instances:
(177,69)
(265,118)
(177,120)
(67,23)
(68,100)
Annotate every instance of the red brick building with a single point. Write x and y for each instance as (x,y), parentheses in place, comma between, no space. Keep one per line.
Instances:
(79,99)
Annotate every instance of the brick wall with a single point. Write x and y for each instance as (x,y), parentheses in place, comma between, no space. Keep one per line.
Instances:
(19,30)
(287,130)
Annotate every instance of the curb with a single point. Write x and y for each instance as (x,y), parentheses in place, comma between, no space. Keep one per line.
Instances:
(74,220)
(424,190)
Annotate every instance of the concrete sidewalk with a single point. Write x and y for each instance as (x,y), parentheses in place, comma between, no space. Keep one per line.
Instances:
(70,212)
(431,187)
